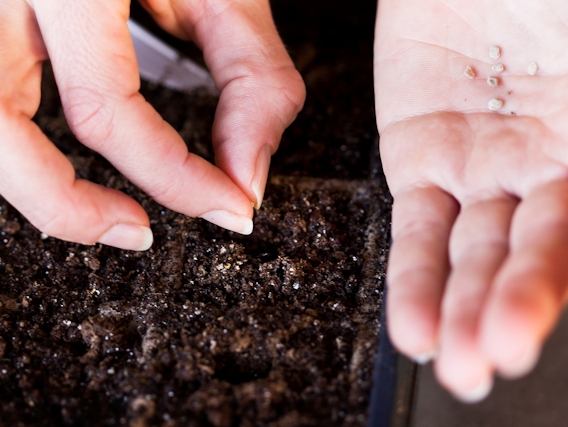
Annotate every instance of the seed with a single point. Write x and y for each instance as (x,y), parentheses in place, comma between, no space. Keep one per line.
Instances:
(469,73)
(495,104)
(497,68)
(532,68)
(492,81)
(494,52)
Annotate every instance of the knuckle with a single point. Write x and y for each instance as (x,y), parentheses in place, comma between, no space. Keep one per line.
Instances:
(288,92)
(69,225)
(70,214)
(174,190)
(295,93)
(90,115)
(166,195)
(53,223)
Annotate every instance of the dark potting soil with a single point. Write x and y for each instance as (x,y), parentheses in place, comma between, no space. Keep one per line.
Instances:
(210,328)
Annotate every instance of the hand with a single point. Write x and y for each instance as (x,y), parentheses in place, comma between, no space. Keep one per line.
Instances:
(95,67)
(477,273)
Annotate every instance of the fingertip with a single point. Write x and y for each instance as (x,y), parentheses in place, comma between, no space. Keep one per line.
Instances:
(477,393)
(128,236)
(463,369)
(413,335)
(230,221)
(523,363)
(247,228)
(511,339)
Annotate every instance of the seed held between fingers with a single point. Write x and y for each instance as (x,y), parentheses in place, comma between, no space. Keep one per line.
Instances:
(497,68)
(495,104)
(532,68)
(494,52)
(469,73)
(492,81)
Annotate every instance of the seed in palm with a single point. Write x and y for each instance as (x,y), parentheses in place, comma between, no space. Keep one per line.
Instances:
(492,81)
(494,52)
(495,104)
(497,68)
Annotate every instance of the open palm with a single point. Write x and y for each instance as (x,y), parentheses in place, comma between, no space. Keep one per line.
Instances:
(477,272)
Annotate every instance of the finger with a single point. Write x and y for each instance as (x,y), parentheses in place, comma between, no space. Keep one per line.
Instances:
(40,182)
(36,178)
(261,91)
(21,52)
(164,13)
(529,291)
(478,246)
(418,268)
(95,68)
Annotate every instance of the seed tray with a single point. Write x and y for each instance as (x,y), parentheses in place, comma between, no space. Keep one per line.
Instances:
(210,328)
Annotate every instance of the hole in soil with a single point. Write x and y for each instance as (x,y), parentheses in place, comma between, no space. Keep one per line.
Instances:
(262,244)
(238,370)
(261,252)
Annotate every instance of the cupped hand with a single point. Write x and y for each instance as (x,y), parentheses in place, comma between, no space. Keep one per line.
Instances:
(478,270)
(95,67)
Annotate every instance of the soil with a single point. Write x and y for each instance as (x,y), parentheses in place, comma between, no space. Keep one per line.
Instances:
(210,328)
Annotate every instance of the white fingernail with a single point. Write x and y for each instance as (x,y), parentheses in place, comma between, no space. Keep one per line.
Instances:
(128,236)
(260,175)
(230,221)
(424,358)
(478,393)
(523,365)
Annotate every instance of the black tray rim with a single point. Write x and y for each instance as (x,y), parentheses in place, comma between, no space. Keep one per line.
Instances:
(392,399)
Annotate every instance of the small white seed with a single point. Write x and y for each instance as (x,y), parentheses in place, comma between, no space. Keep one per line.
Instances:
(469,73)
(494,52)
(492,81)
(497,68)
(532,68)
(495,104)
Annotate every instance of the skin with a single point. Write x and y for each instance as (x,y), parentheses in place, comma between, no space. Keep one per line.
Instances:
(477,273)
(95,66)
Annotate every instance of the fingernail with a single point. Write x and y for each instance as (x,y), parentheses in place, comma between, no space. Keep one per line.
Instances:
(478,393)
(524,364)
(230,221)
(128,236)
(424,358)
(261,175)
